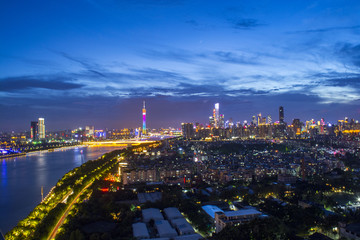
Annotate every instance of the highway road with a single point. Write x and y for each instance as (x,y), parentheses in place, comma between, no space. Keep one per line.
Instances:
(66,213)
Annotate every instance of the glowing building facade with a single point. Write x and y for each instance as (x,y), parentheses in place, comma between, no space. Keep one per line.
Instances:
(41,128)
(144,119)
(216,114)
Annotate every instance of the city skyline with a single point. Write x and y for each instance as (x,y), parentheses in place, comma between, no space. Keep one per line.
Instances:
(94,62)
(217,119)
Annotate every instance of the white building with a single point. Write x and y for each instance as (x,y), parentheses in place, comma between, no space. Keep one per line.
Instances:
(41,128)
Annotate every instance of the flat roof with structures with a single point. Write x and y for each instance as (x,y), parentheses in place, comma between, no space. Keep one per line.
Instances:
(211,210)
(151,213)
(140,230)
(172,213)
(182,226)
(164,229)
(151,197)
(242,212)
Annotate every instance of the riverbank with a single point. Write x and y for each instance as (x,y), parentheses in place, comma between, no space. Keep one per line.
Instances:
(46,149)
(23,177)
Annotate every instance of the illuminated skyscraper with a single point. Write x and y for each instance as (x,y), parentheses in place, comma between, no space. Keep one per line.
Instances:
(34,130)
(217,115)
(281,114)
(144,119)
(187,130)
(259,118)
(41,128)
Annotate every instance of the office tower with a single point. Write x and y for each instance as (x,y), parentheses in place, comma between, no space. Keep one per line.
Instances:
(269,119)
(281,114)
(259,119)
(187,130)
(144,119)
(89,131)
(41,128)
(263,120)
(253,120)
(212,121)
(221,121)
(216,115)
(34,130)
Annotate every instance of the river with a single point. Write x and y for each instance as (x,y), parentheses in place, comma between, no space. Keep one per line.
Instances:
(21,179)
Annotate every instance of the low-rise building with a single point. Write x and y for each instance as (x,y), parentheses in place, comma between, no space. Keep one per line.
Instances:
(164,229)
(151,213)
(223,219)
(182,226)
(140,231)
(172,213)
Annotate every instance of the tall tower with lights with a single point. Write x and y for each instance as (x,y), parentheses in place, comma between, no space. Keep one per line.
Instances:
(217,114)
(144,119)
(281,114)
(41,128)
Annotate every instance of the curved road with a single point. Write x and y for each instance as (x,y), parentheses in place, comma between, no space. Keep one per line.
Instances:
(66,213)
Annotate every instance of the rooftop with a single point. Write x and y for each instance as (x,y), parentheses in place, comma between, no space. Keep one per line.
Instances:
(211,210)
(164,229)
(140,230)
(242,212)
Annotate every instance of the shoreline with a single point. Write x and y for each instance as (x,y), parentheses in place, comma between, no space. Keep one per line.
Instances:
(37,151)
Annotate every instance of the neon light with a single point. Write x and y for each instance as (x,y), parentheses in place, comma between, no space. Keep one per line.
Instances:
(144,119)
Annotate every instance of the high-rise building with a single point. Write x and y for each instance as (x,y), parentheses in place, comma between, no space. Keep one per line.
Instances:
(89,131)
(211,121)
(187,130)
(269,119)
(41,128)
(217,115)
(34,130)
(259,119)
(221,123)
(253,120)
(144,119)
(281,114)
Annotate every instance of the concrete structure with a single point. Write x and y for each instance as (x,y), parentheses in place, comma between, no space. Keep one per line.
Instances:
(164,229)
(151,213)
(182,226)
(172,213)
(140,231)
(223,219)
(211,210)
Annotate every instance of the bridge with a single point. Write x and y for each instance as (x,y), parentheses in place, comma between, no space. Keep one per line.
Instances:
(117,143)
(126,142)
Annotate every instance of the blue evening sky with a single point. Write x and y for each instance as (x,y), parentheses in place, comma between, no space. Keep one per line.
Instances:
(93,62)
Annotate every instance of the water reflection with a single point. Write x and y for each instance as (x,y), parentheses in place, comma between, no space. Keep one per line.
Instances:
(22,178)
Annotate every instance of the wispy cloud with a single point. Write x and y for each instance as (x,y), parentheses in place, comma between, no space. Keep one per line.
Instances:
(53,82)
(349,52)
(244,23)
(328,29)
